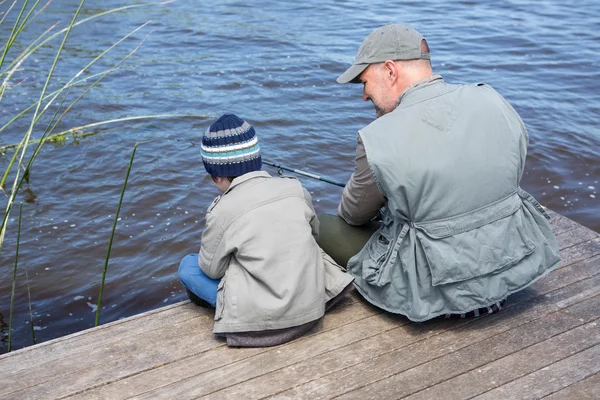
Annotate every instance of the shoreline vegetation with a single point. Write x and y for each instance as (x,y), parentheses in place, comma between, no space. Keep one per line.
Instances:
(40,132)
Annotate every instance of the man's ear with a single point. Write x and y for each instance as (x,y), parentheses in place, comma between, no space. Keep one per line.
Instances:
(390,70)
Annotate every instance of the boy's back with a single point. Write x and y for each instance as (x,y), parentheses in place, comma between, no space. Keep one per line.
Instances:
(272,281)
(260,236)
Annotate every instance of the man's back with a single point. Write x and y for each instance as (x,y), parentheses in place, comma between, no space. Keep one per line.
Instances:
(458,233)
(446,150)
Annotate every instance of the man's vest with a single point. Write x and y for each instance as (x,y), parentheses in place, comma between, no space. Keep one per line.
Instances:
(458,232)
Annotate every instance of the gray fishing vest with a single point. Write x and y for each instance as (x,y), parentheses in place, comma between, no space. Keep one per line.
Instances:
(458,232)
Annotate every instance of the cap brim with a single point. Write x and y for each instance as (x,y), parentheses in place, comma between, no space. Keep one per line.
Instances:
(352,73)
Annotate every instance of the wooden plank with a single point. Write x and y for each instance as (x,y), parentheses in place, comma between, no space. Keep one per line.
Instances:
(117,330)
(481,378)
(562,277)
(186,356)
(550,379)
(351,354)
(49,379)
(461,361)
(575,236)
(580,252)
(560,223)
(354,353)
(328,362)
(587,389)
(279,357)
(403,358)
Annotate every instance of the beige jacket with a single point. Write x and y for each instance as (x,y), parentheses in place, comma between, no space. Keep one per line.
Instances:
(260,241)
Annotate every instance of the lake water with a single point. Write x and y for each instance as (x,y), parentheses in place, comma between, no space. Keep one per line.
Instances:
(273,63)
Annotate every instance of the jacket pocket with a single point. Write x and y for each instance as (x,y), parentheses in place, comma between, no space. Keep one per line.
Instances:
(477,244)
(220,300)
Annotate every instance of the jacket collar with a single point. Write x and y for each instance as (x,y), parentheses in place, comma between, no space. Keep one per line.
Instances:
(246,177)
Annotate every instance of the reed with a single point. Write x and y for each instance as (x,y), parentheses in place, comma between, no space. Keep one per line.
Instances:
(45,100)
(14,282)
(112,234)
(27,149)
(29,303)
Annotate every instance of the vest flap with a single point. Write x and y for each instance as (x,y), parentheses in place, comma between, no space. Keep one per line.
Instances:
(476,244)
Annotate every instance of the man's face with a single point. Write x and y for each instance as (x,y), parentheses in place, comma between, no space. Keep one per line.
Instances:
(377,89)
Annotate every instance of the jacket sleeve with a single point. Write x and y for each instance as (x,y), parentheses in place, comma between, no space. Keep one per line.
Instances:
(312,217)
(214,255)
(361,199)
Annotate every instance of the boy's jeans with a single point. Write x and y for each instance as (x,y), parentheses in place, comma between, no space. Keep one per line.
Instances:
(196,281)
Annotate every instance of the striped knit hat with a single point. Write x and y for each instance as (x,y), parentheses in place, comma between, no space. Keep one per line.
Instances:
(230,147)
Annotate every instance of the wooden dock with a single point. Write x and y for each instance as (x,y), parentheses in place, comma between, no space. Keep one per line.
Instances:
(544,344)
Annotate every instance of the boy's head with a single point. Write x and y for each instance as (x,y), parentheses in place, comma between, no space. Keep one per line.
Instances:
(230,149)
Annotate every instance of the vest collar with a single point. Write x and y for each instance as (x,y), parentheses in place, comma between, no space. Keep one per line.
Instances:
(424,89)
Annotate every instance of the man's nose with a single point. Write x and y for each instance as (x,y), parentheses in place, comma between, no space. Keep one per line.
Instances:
(365,96)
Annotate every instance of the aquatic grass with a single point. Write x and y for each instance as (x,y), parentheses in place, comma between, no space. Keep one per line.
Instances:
(112,234)
(68,85)
(29,303)
(32,49)
(54,122)
(25,140)
(21,147)
(47,99)
(14,282)
(78,131)
(14,32)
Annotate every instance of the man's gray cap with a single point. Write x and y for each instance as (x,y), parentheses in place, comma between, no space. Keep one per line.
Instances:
(390,42)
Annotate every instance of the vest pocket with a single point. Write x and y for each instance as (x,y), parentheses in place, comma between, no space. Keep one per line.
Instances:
(484,249)
(382,253)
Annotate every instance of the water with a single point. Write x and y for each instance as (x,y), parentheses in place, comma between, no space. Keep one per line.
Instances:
(274,65)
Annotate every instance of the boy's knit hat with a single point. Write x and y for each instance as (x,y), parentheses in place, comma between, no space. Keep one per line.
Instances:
(230,147)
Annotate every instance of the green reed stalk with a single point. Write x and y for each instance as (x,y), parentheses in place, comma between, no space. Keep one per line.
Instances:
(26,54)
(51,126)
(27,136)
(14,282)
(13,33)
(36,119)
(24,23)
(18,61)
(65,87)
(29,302)
(74,131)
(32,50)
(112,235)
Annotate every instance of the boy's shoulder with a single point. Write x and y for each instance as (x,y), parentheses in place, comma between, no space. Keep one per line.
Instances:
(245,195)
(214,203)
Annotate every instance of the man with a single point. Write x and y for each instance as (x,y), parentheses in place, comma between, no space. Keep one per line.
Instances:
(457,233)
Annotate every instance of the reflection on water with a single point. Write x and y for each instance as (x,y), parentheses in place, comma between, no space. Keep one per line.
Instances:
(274,65)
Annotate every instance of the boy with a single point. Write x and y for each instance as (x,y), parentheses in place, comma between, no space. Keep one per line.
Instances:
(259,263)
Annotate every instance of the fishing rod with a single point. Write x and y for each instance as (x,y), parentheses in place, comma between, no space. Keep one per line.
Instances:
(281,168)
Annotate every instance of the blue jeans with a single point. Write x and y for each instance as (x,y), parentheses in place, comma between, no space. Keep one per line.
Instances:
(196,281)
